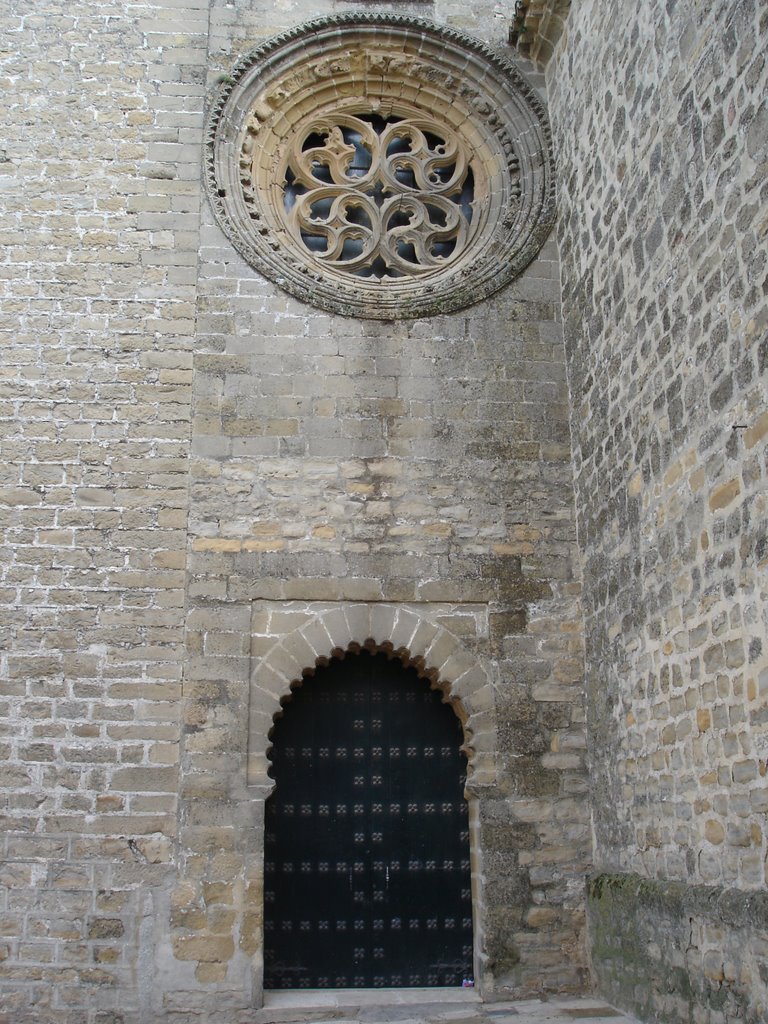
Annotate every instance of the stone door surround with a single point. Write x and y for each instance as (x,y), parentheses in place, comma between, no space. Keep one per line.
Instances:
(413,633)
(298,636)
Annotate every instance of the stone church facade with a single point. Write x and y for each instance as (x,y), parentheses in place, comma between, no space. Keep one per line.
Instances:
(537,478)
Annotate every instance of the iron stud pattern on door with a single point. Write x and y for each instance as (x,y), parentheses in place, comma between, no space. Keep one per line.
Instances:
(367,877)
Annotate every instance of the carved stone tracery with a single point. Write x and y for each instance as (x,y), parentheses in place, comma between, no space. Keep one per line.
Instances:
(381,167)
(379,198)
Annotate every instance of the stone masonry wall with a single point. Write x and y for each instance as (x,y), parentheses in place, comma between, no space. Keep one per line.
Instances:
(407,464)
(419,468)
(663,228)
(99,170)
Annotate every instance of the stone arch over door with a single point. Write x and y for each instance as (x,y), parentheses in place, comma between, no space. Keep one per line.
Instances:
(415,636)
(408,632)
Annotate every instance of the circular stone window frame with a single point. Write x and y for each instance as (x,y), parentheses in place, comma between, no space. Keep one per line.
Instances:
(394,66)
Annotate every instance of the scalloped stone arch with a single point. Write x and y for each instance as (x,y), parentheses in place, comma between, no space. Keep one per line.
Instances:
(401,632)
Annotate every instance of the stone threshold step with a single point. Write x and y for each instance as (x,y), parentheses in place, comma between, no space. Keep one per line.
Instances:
(321,997)
(373,1004)
(427,1006)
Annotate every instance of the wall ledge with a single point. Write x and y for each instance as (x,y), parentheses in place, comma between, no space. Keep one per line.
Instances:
(668,951)
(735,907)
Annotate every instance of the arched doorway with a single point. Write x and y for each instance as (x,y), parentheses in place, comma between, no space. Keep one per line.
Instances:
(367,876)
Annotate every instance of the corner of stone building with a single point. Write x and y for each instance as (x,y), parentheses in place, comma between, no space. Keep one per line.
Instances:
(537,28)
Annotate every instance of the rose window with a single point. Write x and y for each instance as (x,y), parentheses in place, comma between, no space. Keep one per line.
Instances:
(380,166)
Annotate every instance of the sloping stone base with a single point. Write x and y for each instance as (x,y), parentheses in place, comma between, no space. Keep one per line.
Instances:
(675,953)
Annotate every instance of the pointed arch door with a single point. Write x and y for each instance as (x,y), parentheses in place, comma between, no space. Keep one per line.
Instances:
(367,876)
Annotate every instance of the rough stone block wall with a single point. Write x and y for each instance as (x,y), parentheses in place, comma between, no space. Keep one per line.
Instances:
(409,467)
(99,171)
(662,199)
(396,464)
(677,951)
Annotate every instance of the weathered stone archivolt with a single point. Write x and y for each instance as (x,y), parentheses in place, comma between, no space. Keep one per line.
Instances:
(433,650)
(537,26)
(381,167)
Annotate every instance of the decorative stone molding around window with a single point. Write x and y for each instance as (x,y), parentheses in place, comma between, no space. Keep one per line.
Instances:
(536,27)
(380,166)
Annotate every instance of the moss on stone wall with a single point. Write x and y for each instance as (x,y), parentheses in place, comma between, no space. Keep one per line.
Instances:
(678,954)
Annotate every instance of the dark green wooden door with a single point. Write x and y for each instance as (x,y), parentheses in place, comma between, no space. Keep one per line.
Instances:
(367,880)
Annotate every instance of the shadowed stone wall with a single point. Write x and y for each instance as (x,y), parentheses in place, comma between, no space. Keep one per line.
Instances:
(661,134)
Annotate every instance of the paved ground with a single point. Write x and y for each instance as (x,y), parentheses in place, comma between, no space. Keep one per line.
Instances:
(431,1007)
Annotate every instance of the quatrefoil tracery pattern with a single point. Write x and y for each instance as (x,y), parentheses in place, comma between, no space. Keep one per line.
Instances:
(377,197)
